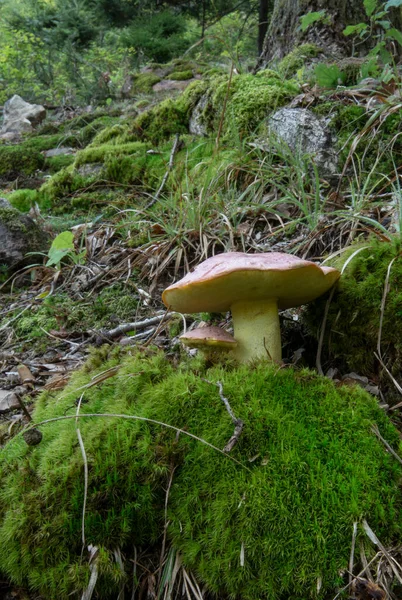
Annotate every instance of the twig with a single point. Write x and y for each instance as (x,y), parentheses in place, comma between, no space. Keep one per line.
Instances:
(394,381)
(384,297)
(374,429)
(172,470)
(120,416)
(361,573)
(352,552)
(166,175)
(126,327)
(23,407)
(238,423)
(84,456)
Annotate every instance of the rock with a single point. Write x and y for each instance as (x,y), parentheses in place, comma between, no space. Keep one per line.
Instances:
(19,235)
(8,401)
(305,133)
(197,125)
(32,437)
(20,116)
(58,152)
(167,85)
(90,169)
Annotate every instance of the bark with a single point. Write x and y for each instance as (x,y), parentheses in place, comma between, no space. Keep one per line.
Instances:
(262,24)
(284,32)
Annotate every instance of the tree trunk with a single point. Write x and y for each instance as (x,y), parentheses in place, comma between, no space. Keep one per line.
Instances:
(262,24)
(284,32)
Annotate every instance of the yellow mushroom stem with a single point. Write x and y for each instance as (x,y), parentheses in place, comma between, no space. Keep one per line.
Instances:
(256,330)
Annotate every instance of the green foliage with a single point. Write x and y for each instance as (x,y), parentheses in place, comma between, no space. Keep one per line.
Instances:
(159,37)
(329,76)
(313,17)
(316,468)
(354,314)
(63,247)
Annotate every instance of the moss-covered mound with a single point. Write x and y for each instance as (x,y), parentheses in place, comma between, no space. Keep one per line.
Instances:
(19,160)
(354,315)
(310,467)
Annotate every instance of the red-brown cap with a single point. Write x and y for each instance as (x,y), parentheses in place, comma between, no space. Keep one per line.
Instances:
(210,336)
(219,282)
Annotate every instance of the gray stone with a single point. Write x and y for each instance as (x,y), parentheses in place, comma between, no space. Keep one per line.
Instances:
(58,152)
(19,235)
(90,169)
(20,116)
(168,85)
(197,125)
(306,134)
(8,401)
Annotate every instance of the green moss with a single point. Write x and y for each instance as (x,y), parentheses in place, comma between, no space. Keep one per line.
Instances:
(144,82)
(250,101)
(180,75)
(54,164)
(354,314)
(19,160)
(23,200)
(310,467)
(296,59)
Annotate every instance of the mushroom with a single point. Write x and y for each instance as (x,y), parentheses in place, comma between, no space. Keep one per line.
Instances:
(210,340)
(253,287)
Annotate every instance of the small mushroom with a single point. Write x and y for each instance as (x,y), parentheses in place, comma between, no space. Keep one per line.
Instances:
(210,340)
(253,287)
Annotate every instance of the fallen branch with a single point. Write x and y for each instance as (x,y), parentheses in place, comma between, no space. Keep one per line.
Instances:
(126,327)
(166,175)
(238,423)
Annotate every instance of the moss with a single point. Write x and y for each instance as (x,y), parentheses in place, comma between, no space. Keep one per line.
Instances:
(354,314)
(316,468)
(23,200)
(296,59)
(180,75)
(54,164)
(144,82)
(19,160)
(250,101)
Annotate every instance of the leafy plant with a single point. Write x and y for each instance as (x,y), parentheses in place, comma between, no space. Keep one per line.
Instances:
(63,247)
(310,18)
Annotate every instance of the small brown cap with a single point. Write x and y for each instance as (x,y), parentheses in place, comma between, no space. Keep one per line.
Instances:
(221,281)
(211,337)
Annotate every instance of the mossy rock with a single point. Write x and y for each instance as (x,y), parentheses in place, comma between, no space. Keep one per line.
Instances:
(354,315)
(19,160)
(181,75)
(295,60)
(144,82)
(307,466)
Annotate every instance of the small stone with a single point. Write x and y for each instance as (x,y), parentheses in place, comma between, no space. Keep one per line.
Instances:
(32,437)
(8,401)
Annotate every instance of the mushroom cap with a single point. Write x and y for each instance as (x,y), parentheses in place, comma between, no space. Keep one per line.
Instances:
(210,336)
(225,279)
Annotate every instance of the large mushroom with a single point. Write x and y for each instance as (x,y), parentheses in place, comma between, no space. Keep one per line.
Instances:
(253,287)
